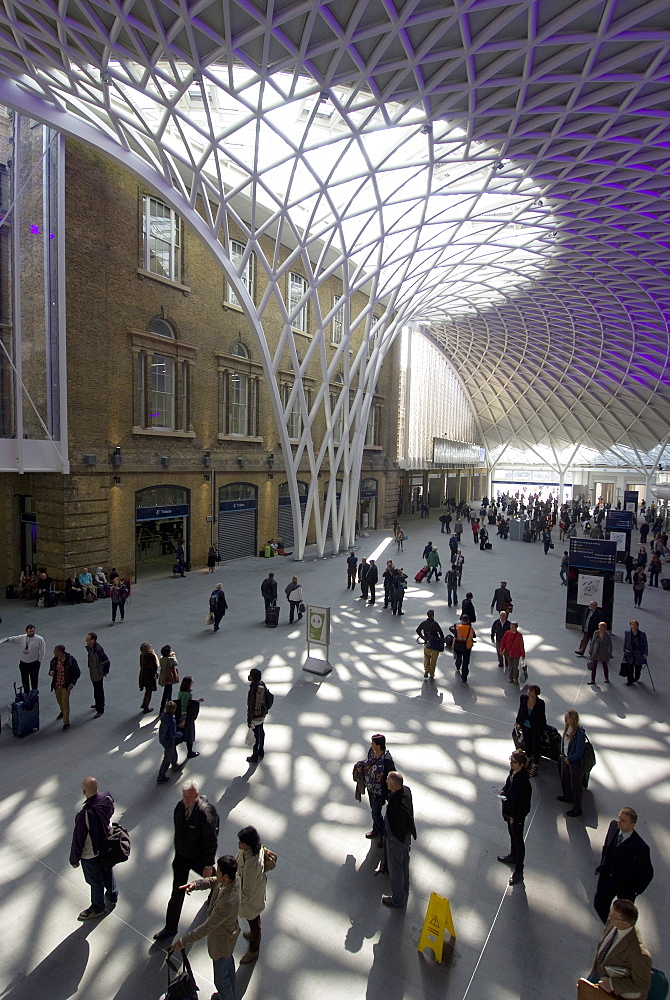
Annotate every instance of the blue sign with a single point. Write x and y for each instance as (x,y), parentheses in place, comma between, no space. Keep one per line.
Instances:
(158,513)
(630,499)
(619,520)
(367,494)
(592,553)
(249,504)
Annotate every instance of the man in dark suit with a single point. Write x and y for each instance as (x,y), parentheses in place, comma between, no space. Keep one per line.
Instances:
(592,616)
(625,868)
(502,598)
(622,963)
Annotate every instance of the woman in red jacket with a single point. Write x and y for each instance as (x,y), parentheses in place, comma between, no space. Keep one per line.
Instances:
(513,649)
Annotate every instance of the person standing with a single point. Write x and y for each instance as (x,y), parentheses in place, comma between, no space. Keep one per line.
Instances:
(451,581)
(168,674)
(398,591)
(516,796)
(148,674)
(32,649)
(372,579)
(468,608)
(221,927)
(187,712)
(253,882)
(635,651)
(458,530)
(98,668)
(590,620)
(655,569)
(502,599)
(181,558)
(257,709)
(532,717)
(464,637)
(196,831)
(563,572)
(119,595)
(269,591)
(513,649)
(433,639)
(352,563)
(218,605)
(374,772)
(387,578)
(458,562)
(92,826)
(572,762)
(293,592)
(639,583)
(399,538)
(363,571)
(211,558)
(434,564)
(498,629)
(168,737)
(600,651)
(546,540)
(620,948)
(64,671)
(399,828)
(625,868)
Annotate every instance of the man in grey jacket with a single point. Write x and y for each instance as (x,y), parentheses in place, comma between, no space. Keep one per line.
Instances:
(98,668)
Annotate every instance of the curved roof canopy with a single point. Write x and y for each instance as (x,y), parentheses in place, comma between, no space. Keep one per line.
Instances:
(495,173)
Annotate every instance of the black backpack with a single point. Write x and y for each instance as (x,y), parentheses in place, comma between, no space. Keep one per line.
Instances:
(269,699)
(116,848)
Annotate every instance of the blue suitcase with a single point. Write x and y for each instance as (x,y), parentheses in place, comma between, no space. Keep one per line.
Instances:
(25,712)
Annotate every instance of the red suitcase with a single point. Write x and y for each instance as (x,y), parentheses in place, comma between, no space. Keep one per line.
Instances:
(421,575)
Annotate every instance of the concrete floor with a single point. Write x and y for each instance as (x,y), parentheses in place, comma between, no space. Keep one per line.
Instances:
(324,930)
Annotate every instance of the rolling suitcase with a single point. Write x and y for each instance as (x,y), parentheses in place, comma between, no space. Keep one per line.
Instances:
(665,583)
(421,575)
(272,616)
(488,545)
(25,712)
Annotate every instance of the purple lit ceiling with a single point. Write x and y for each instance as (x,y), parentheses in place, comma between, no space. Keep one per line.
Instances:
(529,226)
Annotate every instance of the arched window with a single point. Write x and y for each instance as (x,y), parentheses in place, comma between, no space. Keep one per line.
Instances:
(161,327)
(162,378)
(238,395)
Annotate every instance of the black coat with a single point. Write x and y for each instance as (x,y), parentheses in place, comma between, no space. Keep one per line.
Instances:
(501,597)
(627,869)
(590,620)
(538,717)
(372,575)
(400,813)
(499,628)
(72,671)
(196,837)
(468,608)
(517,791)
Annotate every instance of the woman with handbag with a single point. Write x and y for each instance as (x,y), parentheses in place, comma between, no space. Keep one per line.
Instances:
(572,762)
(148,674)
(635,650)
(253,883)
(532,717)
(293,592)
(167,674)
(188,708)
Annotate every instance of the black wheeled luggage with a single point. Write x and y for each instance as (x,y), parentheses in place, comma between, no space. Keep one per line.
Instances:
(488,546)
(272,616)
(25,712)
(665,583)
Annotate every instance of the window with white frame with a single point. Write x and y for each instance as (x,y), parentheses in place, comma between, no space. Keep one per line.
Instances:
(337,326)
(372,438)
(297,288)
(238,397)
(162,239)
(338,421)
(294,419)
(247,275)
(161,392)
(161,379)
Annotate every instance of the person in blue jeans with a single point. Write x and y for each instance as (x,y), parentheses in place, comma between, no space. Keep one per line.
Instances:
(221,927)
(399,829)
(91,828)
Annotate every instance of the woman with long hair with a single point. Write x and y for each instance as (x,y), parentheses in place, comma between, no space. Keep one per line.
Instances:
(253,881)
(572,760)
(187,712)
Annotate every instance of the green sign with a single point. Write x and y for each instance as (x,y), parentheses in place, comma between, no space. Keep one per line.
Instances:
(318,625)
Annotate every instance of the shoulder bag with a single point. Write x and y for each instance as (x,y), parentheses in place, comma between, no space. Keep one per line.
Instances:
(269,859)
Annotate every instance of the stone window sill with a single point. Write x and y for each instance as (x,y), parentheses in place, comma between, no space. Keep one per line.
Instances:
(164,281)
(243,439)
(157,432)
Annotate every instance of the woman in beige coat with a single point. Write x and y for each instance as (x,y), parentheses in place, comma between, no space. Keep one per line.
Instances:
(253,881)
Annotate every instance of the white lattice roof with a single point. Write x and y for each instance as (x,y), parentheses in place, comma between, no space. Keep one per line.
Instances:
(495,171)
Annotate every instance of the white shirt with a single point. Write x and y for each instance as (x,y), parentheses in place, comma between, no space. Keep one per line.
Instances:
(32,648)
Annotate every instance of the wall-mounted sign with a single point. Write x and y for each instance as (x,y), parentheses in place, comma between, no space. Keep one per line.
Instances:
(456,453)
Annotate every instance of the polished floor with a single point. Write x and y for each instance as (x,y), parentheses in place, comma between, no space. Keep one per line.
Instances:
(325,933)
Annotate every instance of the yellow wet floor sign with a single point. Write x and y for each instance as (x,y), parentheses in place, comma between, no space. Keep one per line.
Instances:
(438,919)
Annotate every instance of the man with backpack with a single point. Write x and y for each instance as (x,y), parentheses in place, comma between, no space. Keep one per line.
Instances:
(217,605)
(259,703)
(464,637)
(269,590)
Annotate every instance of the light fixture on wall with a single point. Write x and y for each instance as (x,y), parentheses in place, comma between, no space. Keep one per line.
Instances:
(207,477)
(165,460)
(270,460)
(117,480)
(207,459)
(240,462)
(89,460)
(115,457)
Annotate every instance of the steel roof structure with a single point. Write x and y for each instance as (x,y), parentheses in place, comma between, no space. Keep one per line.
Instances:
(493,173)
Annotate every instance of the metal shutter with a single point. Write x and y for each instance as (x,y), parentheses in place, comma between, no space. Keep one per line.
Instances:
(237,529)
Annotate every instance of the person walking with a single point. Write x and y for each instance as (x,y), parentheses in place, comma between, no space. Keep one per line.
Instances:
(516,795)
(642,557)
(573,745)
(433,643)
(32,649)
(625,868)
(258,705)
(399,828)
(468,608)
(532,717)
(498,629)
(620,948)
(502,598)
(98,668)
(269,591)
(196,831)
(374,772)
(464,637)
(635,652)
(217,605)
(513,650)
(458,562)
(293,592)
(600,651)
(630,565)
(655,569)
(458,530)
(590,620)
(546,540)
(221,927)
(482,537)
(352,563)
(363,571)
(399,538)
(434,564)
(451,581)
(118,593)
(148,674)
(475,530)
(168,737)
(372,579)
(639,583)
(64,672)
(92,826)
(168,674)
(563,572)
(188,708)
(253,883)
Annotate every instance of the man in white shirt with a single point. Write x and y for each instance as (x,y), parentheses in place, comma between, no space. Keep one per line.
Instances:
(31,654)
